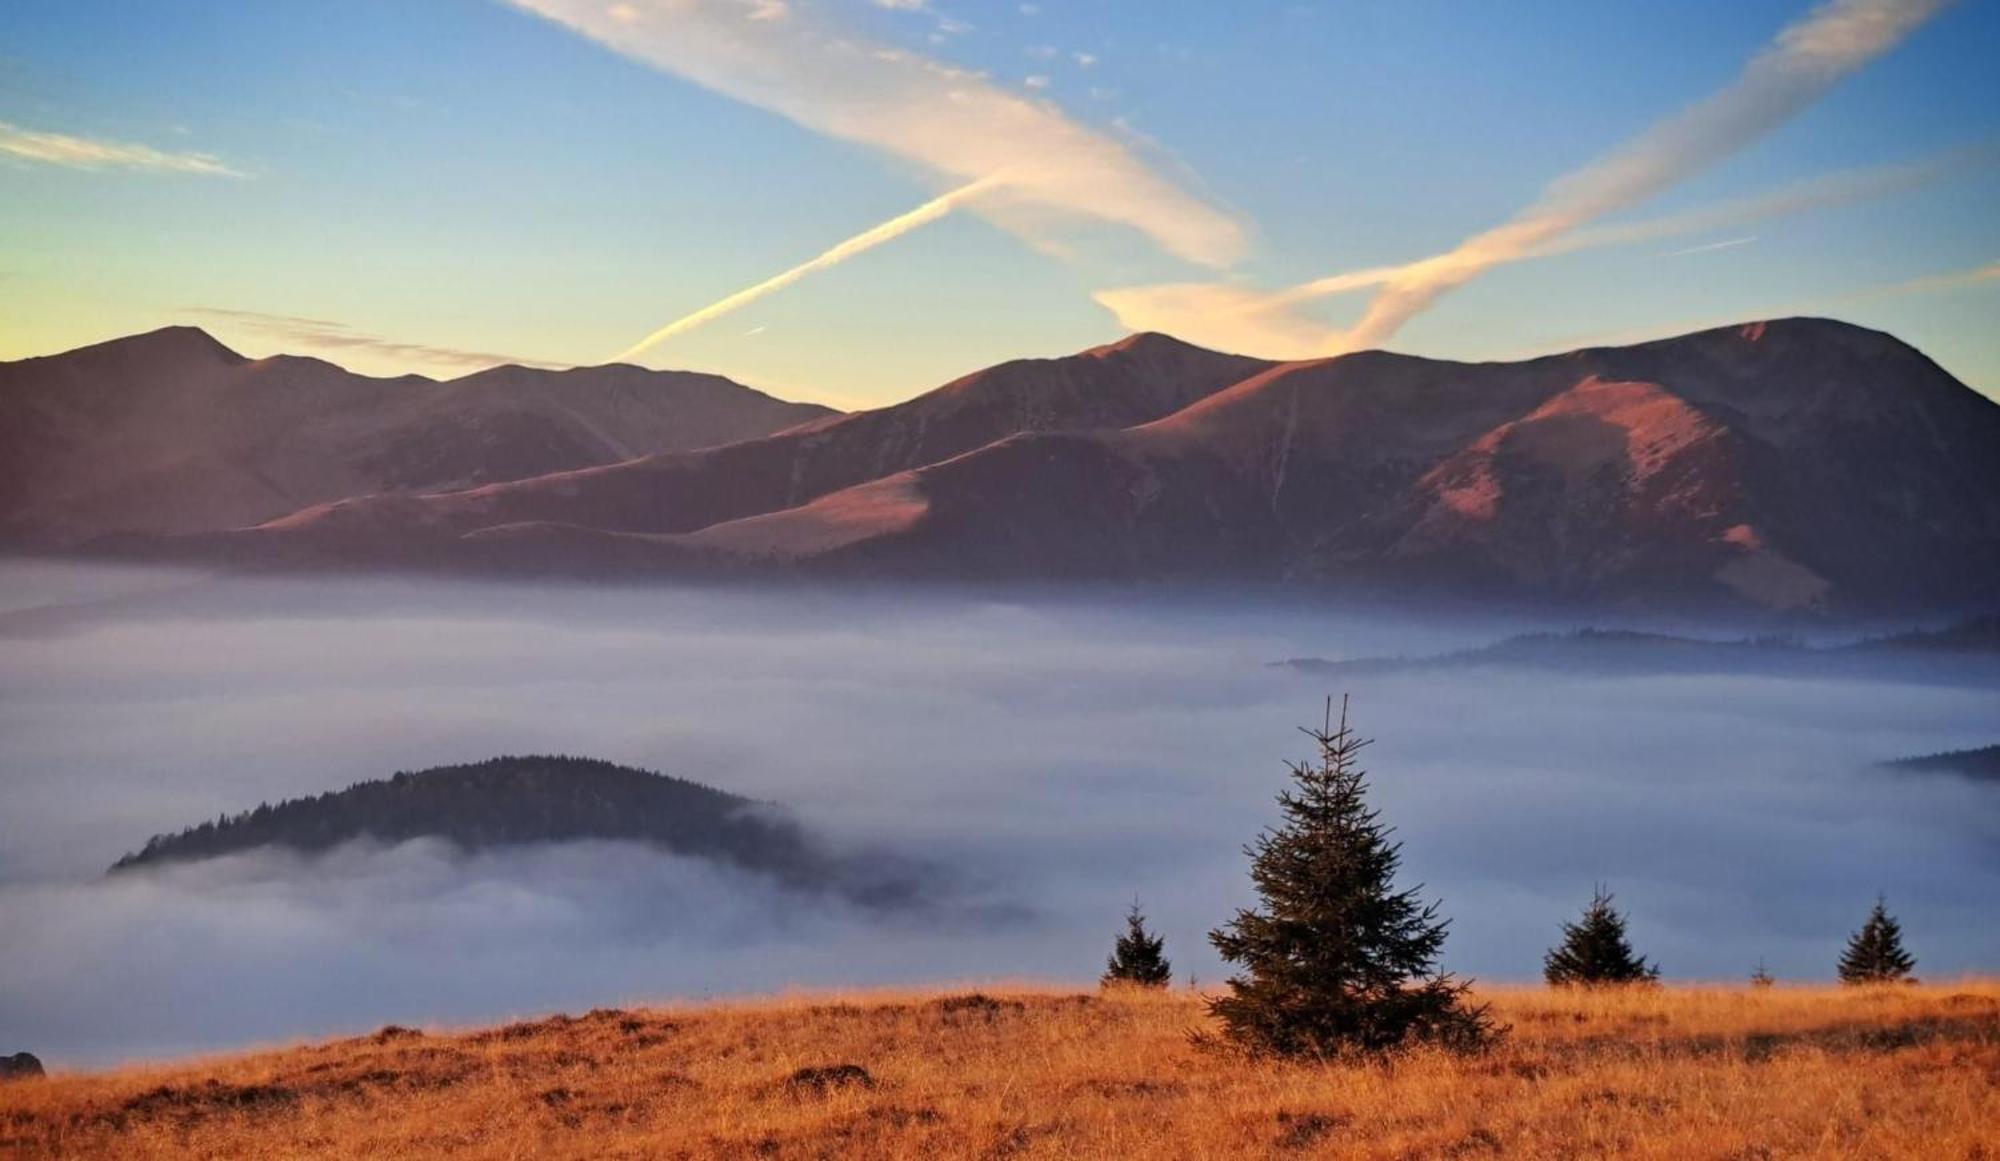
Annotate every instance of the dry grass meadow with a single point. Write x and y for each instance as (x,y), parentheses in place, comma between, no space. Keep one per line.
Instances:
(1677,1072)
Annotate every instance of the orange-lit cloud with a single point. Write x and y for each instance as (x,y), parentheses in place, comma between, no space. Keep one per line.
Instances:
(1805,60)
(958,125)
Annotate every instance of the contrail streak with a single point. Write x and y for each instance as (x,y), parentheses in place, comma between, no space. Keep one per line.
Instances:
(867,240)
(1709,247)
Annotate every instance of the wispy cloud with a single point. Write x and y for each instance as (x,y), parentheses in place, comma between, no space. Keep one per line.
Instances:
(1824,191)
(322,335)
(97,153)
(956,124)
(1805,60)
(1934,283)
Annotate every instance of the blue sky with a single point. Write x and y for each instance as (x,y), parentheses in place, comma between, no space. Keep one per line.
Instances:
(426,186)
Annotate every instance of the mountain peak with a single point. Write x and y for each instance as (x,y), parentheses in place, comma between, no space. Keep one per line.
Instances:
(175,342)
(1805,331)
(1150,343)
(171,346)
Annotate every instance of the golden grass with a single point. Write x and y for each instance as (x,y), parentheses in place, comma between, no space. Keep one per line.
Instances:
(1660,1073)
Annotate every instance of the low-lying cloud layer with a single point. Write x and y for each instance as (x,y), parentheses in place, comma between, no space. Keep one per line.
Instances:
(1056,756)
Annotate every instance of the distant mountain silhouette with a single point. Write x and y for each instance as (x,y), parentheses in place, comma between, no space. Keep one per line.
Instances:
(1971,635)
(1792,464)
(1982,764)
(173,432)
(515,801)
(1966,653)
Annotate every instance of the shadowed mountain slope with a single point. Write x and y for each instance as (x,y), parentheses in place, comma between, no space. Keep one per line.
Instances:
(1132,381)
(1792,464)
(173,432)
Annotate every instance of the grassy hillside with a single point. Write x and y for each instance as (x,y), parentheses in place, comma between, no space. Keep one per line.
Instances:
(1668,1073)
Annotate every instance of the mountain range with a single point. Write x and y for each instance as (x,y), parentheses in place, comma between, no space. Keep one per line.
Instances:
(171,432)
(1786,464)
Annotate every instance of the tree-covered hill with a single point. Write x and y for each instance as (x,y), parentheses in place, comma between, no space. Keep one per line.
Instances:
(511,801)
(1982,763)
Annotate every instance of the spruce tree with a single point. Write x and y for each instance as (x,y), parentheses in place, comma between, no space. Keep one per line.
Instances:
(1595,952)
(1138,958)
(1336,959)
(1875,953)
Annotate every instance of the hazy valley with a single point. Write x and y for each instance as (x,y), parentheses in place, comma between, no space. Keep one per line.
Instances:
(1741,816)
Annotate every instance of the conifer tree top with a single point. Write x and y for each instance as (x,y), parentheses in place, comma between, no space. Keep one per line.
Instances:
(1336,958)
(1875,953)
(1138,958)
(1595,951)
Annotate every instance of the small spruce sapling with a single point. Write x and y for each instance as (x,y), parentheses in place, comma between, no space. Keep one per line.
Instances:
(1138,959)
(1875,953)
(1594,951)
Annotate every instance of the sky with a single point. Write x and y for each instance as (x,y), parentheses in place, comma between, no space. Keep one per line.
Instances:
(852,201)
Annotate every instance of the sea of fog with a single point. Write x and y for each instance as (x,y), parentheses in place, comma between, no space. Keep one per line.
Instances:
(1049,758)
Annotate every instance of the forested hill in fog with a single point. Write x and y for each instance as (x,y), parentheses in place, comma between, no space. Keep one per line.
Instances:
(1982,764)
(513,801)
